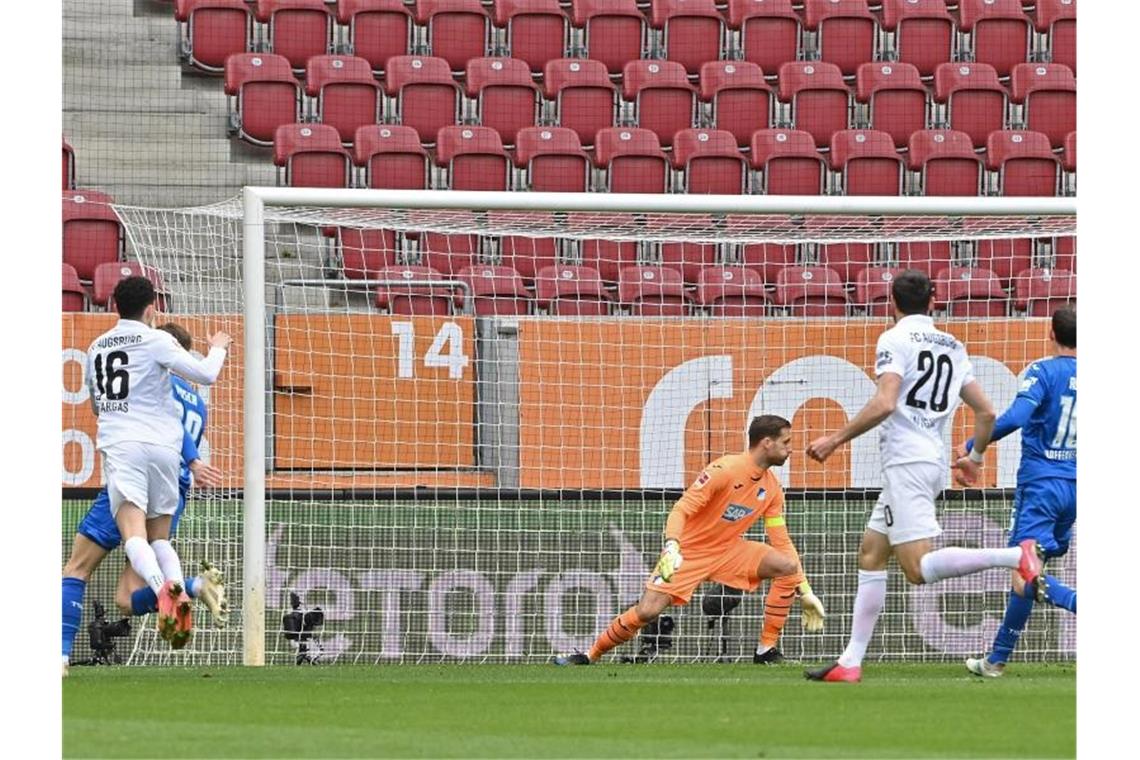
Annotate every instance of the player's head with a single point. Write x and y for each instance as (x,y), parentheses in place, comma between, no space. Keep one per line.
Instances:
(180,333)
(134,297)
(1064,332)
(912,292)
(770,440)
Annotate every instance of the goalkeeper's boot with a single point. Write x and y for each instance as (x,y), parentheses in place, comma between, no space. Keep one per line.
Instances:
(981,666)
(1031,566)
(212,593)
(183,622)
(835,673)
(168,598)
(576,658)
(771,657)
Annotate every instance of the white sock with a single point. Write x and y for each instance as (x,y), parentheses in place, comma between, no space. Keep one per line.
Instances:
(869,600)
(144,562)
(762,649)
(168,560)
(954,561)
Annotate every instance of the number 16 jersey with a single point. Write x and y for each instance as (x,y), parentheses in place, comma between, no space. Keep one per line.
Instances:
(934,367)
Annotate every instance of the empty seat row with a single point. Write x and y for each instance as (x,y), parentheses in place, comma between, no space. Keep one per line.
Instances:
(80,297)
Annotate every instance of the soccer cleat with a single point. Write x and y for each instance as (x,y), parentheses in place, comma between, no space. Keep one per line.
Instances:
(183,622)
(981,666)
(212,593)
(168,598)
(835,673)
(771,657)
(576,658)
(1031,564)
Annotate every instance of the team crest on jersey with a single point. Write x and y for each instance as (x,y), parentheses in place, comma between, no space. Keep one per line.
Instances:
(703,478)
(761,493)
(883,358)
(735,513)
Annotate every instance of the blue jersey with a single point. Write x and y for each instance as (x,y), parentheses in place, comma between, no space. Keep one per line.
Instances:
(193,422)
(1049,435)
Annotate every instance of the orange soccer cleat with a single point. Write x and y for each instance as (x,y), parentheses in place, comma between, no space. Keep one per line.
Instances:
(183,622)
(168,608)
(835,673)
(1032,565)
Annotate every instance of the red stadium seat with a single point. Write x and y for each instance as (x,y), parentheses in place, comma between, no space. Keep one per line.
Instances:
(458,30)
(1058,19)
(688,258)
(92,232)
(741,100)
(571,290)
(448,253)
(818,97)
(536,30)
(924,32)
(1069,152)
(873,290)
(633,160)
(969,292)
(264,95)
(108,275)
(1000,32)
(946,162)
(496,290)
(213,30)
(665,101)
(377,29)
(607,256)
(525,254)
(848,259)
(1048,94)
(68,167)
(649,291)
(732,292)
(614,30)
(1024,161)
(1065,253)
(811,292)
(895,99)
(711,162)
(583,95)
(346,95)
(868,162)
(693,30)
(428,97)
(845,32)
(391,156)
(974,99)
(414,299)
(1005,257)
(474,158)
(553,159)
(311,155)
(769,259)
(770,31)
(788,162)
(74,296)
(927,257)
(364,253)
(298,29)
(1040,292)
(505,93)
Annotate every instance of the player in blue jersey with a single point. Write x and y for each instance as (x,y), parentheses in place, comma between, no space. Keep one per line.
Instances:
(1045,502)
(98,535)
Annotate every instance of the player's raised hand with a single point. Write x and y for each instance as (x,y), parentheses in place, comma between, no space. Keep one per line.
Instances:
(206,475)
(669,562)
(821,448)
(221,340)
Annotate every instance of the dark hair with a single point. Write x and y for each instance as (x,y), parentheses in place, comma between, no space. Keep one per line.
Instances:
(766,426)
(180,333)
(911,291)
(1065,326)
(132,296)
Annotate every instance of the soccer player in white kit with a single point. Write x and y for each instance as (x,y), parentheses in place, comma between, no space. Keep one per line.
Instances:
(140,437)
(922,374)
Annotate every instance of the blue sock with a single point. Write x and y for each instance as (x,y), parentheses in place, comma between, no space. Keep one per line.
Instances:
(143,601)
(192,585)
(1017,611)
(1060,595)
(73,590)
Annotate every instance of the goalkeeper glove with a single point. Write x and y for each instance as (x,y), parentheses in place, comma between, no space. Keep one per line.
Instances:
(812,609)
(670,560)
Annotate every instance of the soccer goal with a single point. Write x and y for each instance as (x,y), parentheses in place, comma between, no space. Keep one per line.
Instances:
(455,421)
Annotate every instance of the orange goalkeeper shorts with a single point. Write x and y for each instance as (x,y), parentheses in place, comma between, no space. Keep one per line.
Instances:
(735,566)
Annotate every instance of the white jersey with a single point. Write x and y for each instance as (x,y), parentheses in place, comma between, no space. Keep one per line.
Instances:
(934,367)
(128,374)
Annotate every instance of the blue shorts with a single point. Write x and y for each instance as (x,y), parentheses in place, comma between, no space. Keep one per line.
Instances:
(1045,511)
(100,527)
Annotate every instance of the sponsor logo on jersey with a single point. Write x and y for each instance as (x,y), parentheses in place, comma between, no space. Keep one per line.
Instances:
(735,513)
(703,478)
(1027,383)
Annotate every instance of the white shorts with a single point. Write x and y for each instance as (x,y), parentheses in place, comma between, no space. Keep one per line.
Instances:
(143,474)
(905,509)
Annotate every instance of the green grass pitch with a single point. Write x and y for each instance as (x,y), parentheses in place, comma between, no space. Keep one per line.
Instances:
(625,711)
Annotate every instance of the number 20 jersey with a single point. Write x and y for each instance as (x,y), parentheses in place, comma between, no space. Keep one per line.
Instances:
(934,367)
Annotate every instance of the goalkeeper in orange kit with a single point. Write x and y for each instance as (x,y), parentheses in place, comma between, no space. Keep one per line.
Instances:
(704,540)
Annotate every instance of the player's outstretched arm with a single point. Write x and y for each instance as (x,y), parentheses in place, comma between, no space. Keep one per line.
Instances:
(203,371)
(869,417)
(969,466)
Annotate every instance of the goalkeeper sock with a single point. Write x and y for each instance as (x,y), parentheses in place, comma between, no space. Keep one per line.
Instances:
(869,600)
(954,561)
(143,601)
(1060,595)
(168,560)
(73,590)
(623,628)
(144,562)
(1017,611)
(777,605)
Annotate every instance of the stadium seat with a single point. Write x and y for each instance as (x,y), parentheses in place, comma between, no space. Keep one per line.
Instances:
(740,99)
(553,159)
(688,258)
(1024,162)
(614,30)
(664,100)
(732,292)
(946,162)
(264,94)
(1058,19)
(999,32)
(710,161)
(428,97)
(1047,93)
(1069,152)
(345,94)
(92,232)
(68,167)
(107,276)
(973,98)
(311,155)
(693,30)
(413,299)
(770,31)
(458,30)
(391,156)
(894,98)
(526,255)
(364,253)
(536,30)
(632,159)
(848,259)
(969,292)
(213,30)
(873,291)
(297,29)
(496,290)
(768,259)
(928,257)
(650,291)
(571,291)
(1040,292)
(845,31)
(377,29)
(818,98)
(607,256)
(505,95)
(448,254)
(811,292)
(788,162)
(74,296)
(473,157)
(924,32)
(868,162)
(1065,253)
(582,94)
(1005,257)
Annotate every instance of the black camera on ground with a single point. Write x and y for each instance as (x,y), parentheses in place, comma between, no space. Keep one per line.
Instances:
(102,635)
(299,627)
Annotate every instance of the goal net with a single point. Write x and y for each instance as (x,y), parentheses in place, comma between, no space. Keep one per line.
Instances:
(466,416)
